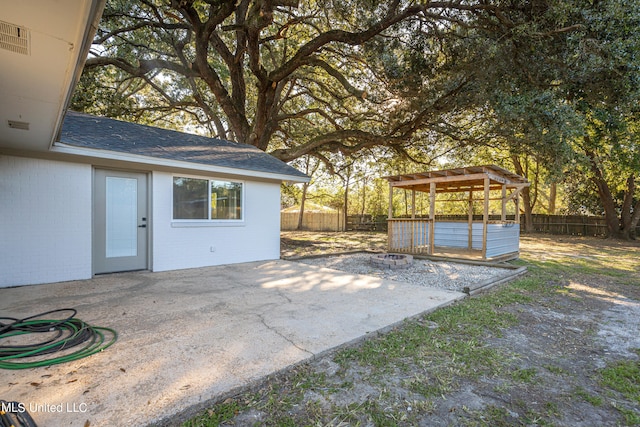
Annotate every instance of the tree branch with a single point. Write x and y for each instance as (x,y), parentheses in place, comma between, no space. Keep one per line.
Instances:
(340,36)
(144,66)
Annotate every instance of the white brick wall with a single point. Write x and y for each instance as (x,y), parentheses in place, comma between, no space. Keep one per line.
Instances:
(177,247)
(45,221)
(46,216)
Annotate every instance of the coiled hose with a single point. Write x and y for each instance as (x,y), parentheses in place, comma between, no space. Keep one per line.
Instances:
(37,342)
(14,414)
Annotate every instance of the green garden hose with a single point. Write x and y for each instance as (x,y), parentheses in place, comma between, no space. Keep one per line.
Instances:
(63,340)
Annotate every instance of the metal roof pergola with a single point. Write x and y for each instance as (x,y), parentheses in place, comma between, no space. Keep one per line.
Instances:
(461,180)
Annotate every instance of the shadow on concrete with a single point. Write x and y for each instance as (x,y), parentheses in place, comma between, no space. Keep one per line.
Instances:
(190,337)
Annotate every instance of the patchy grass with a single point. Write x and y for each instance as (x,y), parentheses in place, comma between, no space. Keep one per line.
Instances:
(306,243)
(583,255)
(215,416)
(525,354)
(593,399)
(623,377)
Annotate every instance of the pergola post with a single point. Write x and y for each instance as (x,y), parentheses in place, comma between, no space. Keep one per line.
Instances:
(432,217)
(504,203)
(470,223)
(413,203)
(389,217)
(412,235)
(485,217)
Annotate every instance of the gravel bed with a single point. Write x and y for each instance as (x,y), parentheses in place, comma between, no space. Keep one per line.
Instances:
(440,274)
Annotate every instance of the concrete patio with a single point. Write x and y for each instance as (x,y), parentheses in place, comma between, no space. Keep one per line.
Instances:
(188,338)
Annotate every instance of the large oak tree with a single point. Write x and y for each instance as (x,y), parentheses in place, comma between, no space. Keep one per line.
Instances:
(294,78)
(600,80)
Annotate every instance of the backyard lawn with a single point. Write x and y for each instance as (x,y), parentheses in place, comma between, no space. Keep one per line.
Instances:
(557,347)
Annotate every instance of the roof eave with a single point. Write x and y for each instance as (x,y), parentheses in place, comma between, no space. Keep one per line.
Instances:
(91,27)
(89,153)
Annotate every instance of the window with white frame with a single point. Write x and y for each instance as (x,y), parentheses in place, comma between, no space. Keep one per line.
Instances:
(206,199)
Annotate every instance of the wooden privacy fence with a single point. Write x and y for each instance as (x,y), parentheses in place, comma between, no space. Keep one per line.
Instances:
(366,223)
(312,221)
(573,225)
(379,222)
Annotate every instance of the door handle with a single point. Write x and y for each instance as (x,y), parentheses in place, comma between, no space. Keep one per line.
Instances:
(142,226)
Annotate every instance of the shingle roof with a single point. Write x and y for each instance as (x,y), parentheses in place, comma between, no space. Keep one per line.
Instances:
(83,130)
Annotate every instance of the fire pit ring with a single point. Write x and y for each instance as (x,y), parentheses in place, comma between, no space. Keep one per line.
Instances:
(391,261)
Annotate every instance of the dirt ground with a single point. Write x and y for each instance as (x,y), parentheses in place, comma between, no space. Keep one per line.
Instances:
(549,362)
(592,322)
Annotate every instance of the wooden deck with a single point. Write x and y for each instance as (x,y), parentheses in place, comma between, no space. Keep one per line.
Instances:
(468,254)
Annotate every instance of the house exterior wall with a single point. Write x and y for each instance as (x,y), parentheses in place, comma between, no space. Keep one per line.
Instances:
(178,245)
(46,224)
(45,221)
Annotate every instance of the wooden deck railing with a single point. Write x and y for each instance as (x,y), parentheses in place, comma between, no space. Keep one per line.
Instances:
(409,235)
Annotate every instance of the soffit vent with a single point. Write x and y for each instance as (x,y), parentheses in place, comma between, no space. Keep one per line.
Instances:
(15,38)
(13,124)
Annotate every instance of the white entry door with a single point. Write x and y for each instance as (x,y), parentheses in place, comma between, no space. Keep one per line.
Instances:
(120,232)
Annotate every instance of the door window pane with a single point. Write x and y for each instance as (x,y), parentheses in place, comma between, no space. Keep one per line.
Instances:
(121,217)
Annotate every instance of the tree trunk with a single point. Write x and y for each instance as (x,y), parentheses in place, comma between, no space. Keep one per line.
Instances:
(528,217)
(630,215)
(552,199)
(618,227)
(526,196)
(346,177)
(406,203)
(303,199)
(635,219)
(346,201)
(310,170)
(364,195)
(610,216)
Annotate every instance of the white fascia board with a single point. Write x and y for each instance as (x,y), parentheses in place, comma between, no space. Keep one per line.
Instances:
(88,153)
(81,46)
